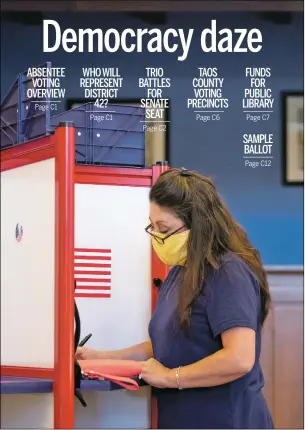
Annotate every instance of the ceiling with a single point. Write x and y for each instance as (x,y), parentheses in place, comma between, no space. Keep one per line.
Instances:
(146,6)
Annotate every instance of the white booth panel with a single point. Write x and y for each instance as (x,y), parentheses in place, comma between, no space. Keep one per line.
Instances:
(27,265)
(114,410)
(27,411)
(113,218)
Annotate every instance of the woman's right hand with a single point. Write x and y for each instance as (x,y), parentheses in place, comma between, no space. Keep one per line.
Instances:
(84,353)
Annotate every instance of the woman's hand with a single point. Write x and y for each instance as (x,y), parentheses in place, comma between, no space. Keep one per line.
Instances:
(155,374)
(83,353)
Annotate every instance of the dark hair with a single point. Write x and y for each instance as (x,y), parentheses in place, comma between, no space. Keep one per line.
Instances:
(213,232)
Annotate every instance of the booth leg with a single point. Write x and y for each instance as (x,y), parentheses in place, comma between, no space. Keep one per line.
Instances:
(64,283)
(159,271)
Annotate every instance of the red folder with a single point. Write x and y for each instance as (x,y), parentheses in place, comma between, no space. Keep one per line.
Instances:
(121,372)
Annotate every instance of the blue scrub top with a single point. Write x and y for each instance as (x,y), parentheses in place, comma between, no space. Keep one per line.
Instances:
(231,298)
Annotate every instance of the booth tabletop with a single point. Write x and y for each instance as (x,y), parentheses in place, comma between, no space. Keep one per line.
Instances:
(18,385)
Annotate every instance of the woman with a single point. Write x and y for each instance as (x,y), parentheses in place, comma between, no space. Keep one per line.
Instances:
(205,333)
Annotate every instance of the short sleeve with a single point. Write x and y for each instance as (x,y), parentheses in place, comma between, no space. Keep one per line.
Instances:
(233,298)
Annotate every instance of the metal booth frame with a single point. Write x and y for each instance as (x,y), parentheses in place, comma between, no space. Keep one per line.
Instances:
(61,146)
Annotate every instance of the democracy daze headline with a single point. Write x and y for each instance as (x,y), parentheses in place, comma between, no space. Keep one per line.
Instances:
(169,40)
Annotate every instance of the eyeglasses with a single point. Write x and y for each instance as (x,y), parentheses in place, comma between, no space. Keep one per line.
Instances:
(159,239)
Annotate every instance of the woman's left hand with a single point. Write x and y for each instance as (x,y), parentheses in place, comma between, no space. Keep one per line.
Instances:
(155,374)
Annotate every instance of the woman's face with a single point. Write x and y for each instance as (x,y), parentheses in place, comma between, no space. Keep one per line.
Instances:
(164,221)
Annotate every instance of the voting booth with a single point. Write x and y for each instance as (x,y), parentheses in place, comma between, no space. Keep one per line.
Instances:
(64,222)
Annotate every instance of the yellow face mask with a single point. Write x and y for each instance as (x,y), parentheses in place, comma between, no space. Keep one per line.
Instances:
(173,251)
